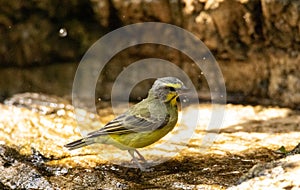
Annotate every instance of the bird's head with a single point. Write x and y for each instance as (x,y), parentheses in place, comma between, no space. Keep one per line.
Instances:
(167,89)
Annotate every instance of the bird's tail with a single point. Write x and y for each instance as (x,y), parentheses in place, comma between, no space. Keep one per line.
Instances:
(79,143)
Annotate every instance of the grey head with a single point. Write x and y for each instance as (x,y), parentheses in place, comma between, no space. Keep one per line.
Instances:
(167,88)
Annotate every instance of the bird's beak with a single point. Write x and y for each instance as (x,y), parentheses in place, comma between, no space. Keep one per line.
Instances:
(183,90)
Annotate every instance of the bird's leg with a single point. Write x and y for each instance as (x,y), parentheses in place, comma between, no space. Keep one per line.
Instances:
(141,157)
(145,163)
(135,160)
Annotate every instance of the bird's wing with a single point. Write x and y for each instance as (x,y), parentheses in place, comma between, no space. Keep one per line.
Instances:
(129,123)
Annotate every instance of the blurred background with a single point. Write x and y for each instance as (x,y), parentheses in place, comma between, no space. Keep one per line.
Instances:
(255,42)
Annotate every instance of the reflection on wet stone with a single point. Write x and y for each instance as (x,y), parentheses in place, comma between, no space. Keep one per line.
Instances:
(32,153)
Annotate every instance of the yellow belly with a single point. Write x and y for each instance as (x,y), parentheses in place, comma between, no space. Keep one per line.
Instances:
(141,139)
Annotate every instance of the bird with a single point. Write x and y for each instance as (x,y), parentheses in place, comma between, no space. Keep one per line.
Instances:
(143,123)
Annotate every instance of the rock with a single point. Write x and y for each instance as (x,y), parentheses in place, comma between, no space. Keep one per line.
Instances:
(102,11)
(296,150)
(256,44)
(249,44)
(34,127)
(280,174)
(144,11)
(35,38)
(57,79)
(16,174)
(283,18)
(284,78)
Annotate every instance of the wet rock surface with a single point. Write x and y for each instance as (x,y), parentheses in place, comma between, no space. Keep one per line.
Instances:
(280,174)
(19,172)
(256,43)
(32,153)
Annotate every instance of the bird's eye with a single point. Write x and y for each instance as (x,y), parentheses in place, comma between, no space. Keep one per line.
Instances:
(172,89)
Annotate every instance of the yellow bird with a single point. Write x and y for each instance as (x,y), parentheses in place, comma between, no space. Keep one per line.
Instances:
(142,124)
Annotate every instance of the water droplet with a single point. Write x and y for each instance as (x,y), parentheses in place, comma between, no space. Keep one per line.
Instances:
(62,32)
(185,99)
(99,99)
